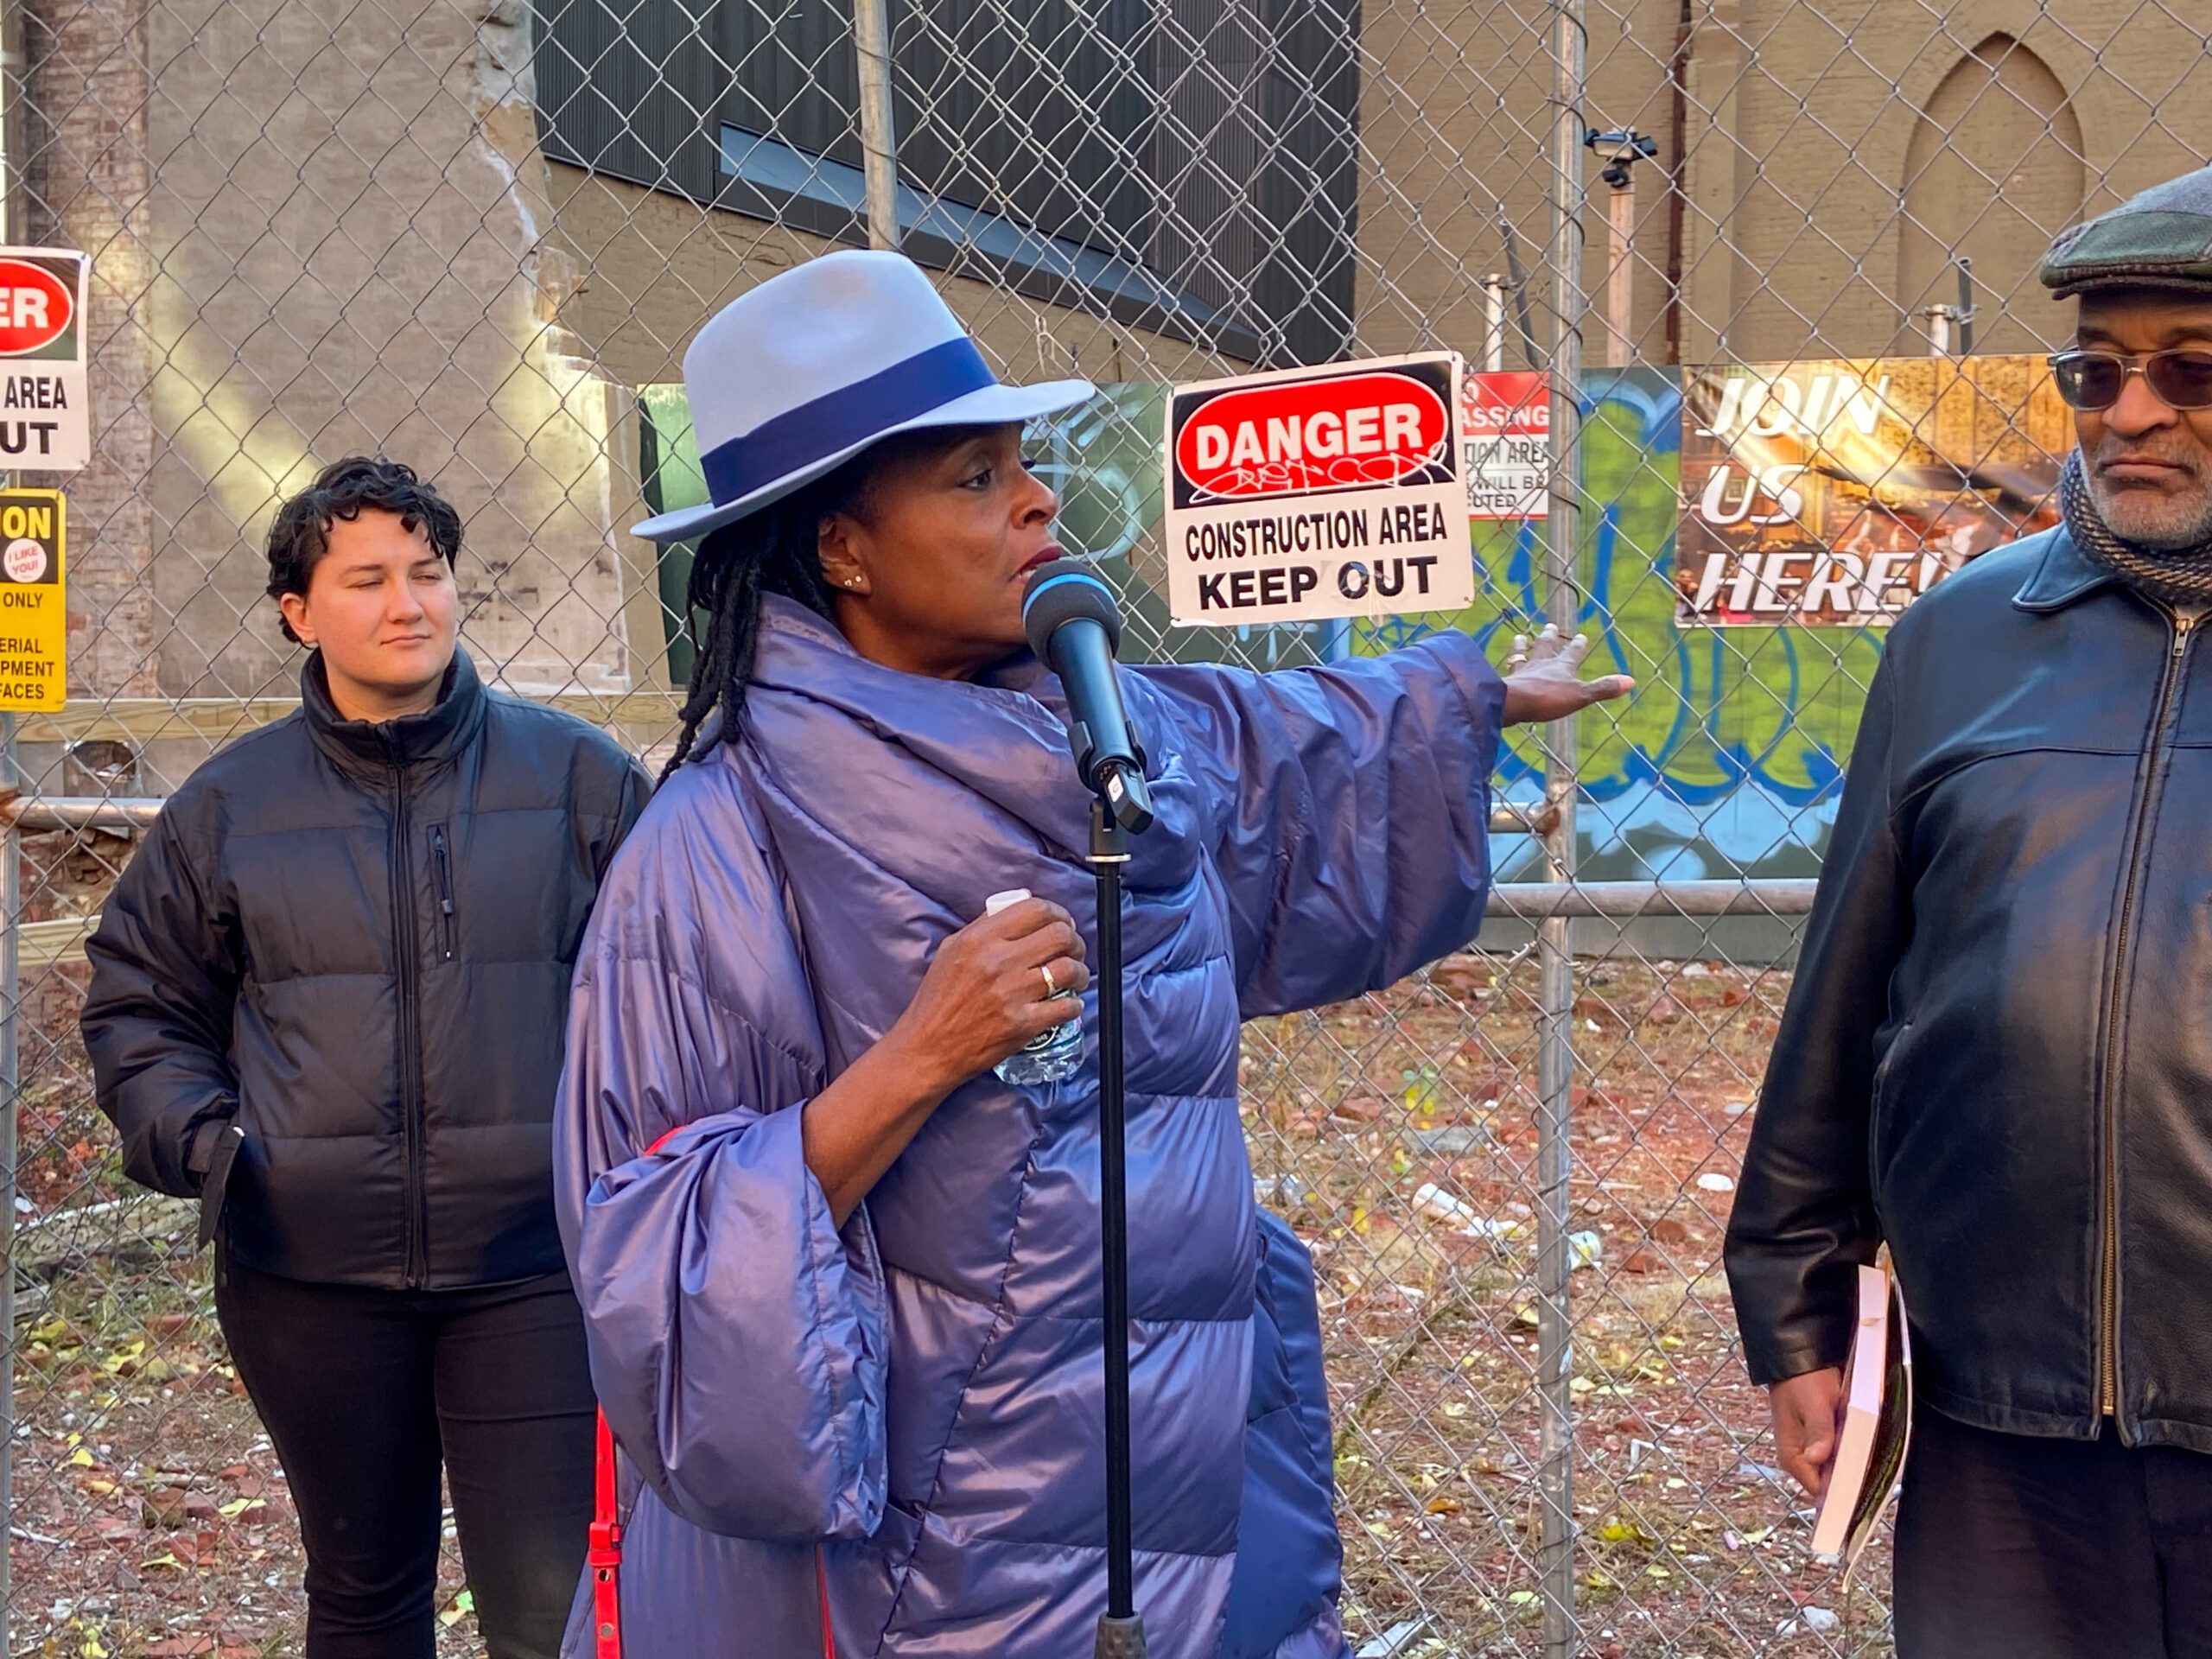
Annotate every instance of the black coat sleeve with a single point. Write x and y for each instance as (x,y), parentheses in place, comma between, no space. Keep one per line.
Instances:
(157,1019)
(637,790)
(1804,1217)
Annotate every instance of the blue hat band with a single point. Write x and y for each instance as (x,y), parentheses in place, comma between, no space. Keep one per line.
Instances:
(837,421)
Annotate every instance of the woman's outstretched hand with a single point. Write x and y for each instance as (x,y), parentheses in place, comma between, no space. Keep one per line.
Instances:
(1543,679)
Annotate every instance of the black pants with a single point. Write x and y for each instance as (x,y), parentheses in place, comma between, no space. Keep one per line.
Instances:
(2014,1547)
(365,1392)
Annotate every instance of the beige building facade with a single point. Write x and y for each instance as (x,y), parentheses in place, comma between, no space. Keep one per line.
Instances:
(321,229)
(1819,168)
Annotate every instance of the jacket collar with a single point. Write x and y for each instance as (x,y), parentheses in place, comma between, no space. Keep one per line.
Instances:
(372,749)
(857,746)
(2064,574)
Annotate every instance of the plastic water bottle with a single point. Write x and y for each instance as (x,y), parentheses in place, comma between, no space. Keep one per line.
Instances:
(1050,1056)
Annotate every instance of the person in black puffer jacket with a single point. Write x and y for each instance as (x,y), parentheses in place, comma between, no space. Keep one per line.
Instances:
(328,999)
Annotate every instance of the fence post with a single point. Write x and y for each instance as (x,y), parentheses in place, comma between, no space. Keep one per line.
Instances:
(1493,322)
(1555,939)
(1620,278)
(11,990)
(878,133)
(14,97)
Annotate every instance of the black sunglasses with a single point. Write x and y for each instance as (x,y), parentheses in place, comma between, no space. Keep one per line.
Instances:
(2179,379)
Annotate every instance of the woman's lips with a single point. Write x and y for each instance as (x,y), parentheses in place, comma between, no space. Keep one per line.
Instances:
(1044,556)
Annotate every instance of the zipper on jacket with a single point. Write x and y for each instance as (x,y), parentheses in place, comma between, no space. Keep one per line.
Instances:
(2184,624)
(410,1022)
(442,873)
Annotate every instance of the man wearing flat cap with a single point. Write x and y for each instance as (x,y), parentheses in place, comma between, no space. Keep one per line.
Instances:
(1997,1057)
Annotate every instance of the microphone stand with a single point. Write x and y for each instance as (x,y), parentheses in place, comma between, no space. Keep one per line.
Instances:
(1073,625)
(1121,1628)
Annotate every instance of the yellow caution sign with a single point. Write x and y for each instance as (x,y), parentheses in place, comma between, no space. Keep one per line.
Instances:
(34,600)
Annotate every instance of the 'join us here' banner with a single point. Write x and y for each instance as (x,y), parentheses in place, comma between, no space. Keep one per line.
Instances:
(1833,493)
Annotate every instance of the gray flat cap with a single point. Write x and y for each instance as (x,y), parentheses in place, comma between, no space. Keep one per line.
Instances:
(2162,238)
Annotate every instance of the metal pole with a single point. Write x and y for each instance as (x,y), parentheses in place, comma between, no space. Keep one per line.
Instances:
(1518,281)
(1121,1632)
(1620,278)
(13,196)
(10,997)
(81,811)
(1493,322)
(879,137)
(1555,939)
(1121,1590)
(1536,901)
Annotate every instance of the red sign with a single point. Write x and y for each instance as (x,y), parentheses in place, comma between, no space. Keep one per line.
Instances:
(1335,433)
(35,307)
(1506,427)
(1502,401)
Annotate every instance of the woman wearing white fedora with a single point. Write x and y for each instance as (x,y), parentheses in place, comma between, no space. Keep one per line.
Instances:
(841,1282)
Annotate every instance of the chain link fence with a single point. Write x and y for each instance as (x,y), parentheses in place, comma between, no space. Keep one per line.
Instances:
(478,239)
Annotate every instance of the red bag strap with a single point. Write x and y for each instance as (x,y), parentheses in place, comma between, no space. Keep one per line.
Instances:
(604,1557)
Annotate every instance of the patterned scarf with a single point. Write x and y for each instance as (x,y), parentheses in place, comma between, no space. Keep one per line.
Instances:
(2179,575)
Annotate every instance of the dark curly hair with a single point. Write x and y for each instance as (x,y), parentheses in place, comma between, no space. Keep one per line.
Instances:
(344,489)
(775,551)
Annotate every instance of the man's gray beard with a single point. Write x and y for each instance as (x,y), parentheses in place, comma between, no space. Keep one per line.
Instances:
(2151,518)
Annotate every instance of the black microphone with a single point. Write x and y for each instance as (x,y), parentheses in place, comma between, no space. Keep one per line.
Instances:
(1075,627)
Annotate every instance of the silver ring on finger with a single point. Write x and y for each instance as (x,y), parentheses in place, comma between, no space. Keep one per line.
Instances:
(1051,985)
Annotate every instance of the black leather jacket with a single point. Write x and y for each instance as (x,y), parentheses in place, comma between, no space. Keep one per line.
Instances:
(354,941)
(1997,1052)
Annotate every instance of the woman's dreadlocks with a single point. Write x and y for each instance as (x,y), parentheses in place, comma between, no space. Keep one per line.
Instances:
(775,551)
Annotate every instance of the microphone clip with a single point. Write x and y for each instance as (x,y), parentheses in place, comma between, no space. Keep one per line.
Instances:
(1126,795)
(1116,782)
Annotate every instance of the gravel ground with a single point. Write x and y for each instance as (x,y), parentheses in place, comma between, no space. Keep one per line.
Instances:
(1368,1124)
(151,1518)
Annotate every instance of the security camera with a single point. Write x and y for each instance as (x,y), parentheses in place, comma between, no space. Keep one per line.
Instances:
(1620,150)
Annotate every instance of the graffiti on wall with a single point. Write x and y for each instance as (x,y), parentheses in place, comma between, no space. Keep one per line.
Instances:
(1729,756)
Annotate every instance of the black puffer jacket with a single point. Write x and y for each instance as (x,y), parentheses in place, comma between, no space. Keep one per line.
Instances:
(356,940)
(1997,1052)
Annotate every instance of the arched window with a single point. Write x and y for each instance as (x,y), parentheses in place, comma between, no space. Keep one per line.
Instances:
(1994,170)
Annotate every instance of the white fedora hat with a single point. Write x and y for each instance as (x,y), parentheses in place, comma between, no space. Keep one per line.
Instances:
(809,368)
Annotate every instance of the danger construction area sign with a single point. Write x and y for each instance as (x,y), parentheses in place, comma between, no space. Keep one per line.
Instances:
(34,606)
(45,413)
(1311,493)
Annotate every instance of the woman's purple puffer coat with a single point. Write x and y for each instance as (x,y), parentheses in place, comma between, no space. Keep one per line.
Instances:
(903,1419)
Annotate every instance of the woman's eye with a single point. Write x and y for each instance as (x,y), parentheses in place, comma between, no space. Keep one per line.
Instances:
(981,480)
